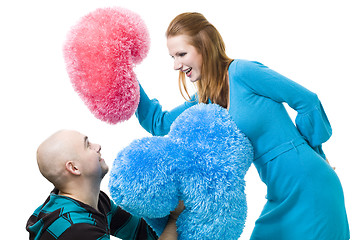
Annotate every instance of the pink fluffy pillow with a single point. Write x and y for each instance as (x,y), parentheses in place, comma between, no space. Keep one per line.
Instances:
(100,52)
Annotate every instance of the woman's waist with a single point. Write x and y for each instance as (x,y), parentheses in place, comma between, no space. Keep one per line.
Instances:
(262,157)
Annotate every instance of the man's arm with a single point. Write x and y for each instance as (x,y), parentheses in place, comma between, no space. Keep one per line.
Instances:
(126,226)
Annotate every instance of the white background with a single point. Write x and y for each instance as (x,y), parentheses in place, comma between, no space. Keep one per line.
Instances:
(315,43)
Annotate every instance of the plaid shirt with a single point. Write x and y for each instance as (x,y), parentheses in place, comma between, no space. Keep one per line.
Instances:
(62,217)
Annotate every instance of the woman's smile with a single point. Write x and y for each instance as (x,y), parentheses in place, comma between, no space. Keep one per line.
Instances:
(186,58)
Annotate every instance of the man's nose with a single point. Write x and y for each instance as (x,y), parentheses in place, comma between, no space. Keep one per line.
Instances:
(97,147)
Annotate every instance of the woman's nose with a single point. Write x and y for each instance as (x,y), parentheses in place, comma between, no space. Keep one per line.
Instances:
(177,65)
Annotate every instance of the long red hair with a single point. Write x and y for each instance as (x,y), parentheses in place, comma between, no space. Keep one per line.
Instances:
(213,84)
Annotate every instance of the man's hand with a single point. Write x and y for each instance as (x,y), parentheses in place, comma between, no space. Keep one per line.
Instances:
(178,210)
(170,232)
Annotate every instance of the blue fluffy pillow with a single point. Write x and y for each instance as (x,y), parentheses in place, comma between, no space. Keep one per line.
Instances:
(202,161)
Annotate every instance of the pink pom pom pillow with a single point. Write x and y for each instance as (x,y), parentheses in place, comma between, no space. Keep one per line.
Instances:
(100,52)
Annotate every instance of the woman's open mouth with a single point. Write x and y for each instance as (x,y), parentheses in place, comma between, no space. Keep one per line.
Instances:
(188,72)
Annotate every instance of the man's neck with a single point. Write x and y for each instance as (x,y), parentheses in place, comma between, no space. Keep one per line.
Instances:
(85,194)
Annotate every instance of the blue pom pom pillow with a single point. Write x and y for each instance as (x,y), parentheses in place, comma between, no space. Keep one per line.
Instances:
(202,161)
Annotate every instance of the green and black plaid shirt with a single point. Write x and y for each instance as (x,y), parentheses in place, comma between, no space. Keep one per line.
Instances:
(62,217)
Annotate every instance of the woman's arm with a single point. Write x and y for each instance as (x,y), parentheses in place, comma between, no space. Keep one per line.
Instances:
(311,119)
(153,119)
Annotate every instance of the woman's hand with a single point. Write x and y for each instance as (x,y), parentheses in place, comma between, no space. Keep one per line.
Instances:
(329,164)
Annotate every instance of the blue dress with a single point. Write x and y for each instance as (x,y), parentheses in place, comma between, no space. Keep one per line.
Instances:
(304,195)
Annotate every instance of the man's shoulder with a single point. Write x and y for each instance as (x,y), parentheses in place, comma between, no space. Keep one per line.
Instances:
(60,215)
(63,229)
(71,214)
(85,228)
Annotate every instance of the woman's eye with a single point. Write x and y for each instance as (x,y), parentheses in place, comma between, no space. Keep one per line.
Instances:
(182,54)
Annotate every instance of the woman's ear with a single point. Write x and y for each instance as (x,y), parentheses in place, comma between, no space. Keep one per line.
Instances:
(72,168)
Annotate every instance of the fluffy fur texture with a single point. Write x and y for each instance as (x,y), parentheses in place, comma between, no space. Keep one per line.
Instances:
(100,52)
(202,161)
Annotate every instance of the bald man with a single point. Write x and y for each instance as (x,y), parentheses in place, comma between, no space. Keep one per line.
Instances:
(76,208)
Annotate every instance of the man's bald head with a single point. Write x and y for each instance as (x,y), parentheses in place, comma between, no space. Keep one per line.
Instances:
(53,154)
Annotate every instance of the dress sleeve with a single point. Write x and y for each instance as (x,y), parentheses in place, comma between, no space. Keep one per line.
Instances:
(315,127)
(311,119)
(153,119)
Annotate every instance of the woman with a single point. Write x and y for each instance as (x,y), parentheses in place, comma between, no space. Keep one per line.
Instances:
(304,195)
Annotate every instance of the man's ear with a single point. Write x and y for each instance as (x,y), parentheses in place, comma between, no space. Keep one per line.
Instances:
(72,168)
